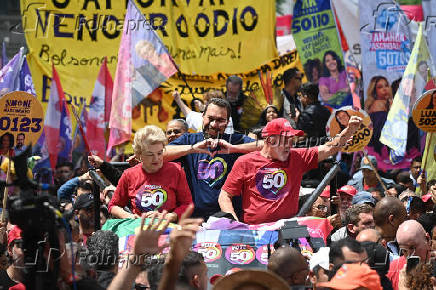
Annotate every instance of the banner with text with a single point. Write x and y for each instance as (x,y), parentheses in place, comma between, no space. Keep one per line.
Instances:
(204,37)
(316,38)
(159,107)
(385,41)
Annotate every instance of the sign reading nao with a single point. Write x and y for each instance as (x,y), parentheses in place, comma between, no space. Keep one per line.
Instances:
(22,117)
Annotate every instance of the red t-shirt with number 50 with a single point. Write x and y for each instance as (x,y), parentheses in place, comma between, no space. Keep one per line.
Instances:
(269,189)
(143,192)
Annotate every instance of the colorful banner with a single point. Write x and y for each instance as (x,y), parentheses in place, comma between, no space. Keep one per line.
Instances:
(204,37)
(316,38)
(160,106)
(385,41)
(22,118)
(226,244)
(395,131)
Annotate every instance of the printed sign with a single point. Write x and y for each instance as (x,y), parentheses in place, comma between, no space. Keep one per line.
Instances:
(240,254)
(210,251)
(22,117)
(424,112)
(339,120)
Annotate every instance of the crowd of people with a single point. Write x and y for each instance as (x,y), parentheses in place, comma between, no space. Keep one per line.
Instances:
(382,222)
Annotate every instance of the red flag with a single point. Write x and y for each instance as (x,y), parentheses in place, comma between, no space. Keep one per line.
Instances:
(99,111)
(52,121)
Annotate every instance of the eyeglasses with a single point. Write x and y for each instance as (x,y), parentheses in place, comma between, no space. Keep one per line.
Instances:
(18,243)
(407,252)
(174,131)
(322,207)
(141,287)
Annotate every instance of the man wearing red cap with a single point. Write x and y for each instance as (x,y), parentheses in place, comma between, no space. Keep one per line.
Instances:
(269,180)
(14,273)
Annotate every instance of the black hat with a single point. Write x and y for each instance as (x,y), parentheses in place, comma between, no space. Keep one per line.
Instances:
(83,201)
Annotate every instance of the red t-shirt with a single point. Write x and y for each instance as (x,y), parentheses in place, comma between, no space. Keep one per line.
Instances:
(394,271)
(143,192)
(269,189)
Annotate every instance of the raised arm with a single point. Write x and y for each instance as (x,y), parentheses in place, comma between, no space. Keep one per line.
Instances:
(185,109)
(335,145)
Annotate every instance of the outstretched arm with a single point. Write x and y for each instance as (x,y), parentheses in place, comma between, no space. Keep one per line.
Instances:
(334,146)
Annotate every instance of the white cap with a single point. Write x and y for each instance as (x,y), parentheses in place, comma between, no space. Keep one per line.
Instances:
(320,258)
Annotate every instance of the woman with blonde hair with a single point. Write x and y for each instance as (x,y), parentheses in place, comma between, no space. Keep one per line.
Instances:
(152,185)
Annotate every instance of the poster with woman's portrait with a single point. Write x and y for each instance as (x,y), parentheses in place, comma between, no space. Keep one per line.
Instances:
(339,121)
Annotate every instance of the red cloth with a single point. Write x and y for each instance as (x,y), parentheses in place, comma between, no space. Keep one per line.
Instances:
(269,189)
(14,234)
(143,192)
(394,271)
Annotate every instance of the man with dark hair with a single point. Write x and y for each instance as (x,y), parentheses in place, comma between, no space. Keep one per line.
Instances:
(289,264)
(19,145)
(291,105)
(357,218)
(236,99)
(75,186)
(194,271)
(404,179)
(314,116)
(208,156)
(84,210)
(389,213)
(416,207)
(346,251)
(415,169)
(103,253)
(64,172)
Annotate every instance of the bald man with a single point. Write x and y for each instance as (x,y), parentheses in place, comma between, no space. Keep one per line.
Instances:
(289,264)
(369,235)
(389,213)
(413,240)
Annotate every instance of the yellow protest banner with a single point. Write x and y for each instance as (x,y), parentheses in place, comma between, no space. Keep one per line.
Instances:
(152,111)
(204,37)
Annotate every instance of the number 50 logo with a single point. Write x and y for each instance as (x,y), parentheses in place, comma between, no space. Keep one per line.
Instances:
(240,254)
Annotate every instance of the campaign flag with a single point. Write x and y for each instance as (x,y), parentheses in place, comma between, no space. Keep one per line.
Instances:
(99,111)
(57,124)
(316,38)
(10,74)
(5,59)
(26,81)
(395,131)
(143,64)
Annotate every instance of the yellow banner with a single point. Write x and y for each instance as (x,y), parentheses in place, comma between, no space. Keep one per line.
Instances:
(160,106)
(204,37)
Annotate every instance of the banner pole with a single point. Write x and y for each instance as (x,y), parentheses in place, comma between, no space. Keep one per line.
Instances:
(5,192)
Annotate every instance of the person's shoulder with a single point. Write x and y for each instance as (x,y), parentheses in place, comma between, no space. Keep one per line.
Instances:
(172,166)
(255,155)
(237,138)
(133,169)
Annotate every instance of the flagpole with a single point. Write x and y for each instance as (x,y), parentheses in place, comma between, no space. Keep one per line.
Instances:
(183,77)
(81,128)
(5,192)
(427,143)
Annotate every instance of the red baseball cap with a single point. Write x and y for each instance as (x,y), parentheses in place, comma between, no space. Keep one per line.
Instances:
(326,192)
(353,276)
(216,277)
(14,234)
(280,126)
(347,189)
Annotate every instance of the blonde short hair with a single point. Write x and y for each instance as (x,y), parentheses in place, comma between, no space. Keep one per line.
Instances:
(149,135)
